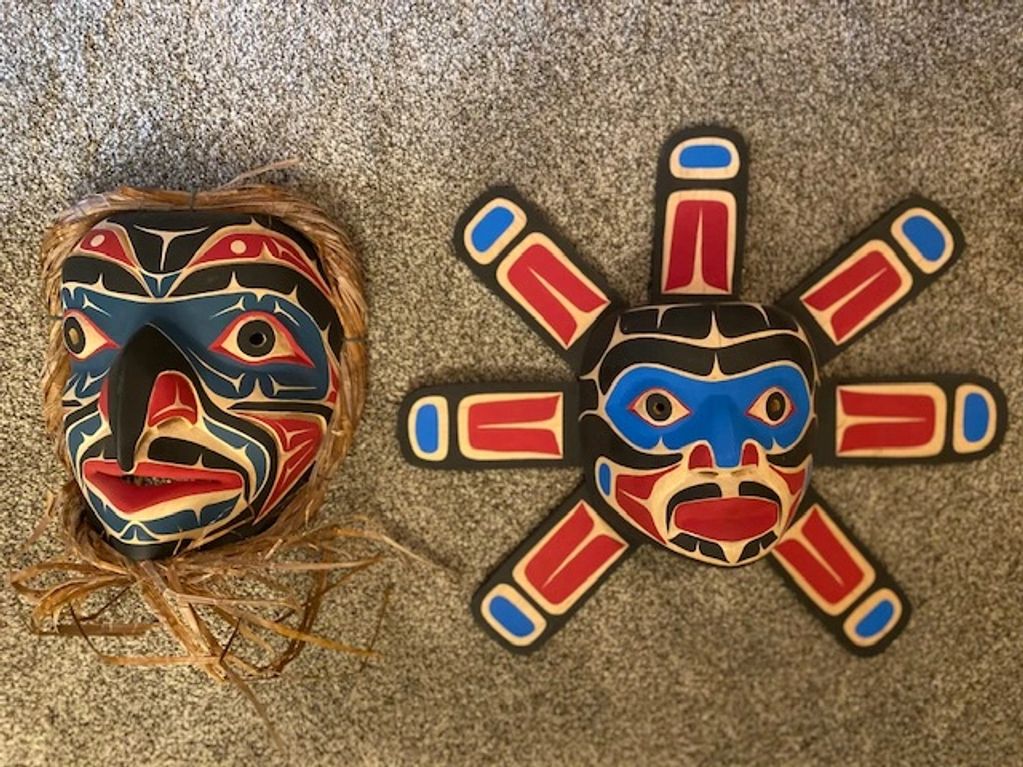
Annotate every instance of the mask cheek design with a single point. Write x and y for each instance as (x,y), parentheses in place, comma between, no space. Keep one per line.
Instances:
(192,413)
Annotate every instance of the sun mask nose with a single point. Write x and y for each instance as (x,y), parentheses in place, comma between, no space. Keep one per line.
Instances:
(149,382)
(724,432)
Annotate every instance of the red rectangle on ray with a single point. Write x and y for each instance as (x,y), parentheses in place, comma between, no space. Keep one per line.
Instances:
(824,562)
(858,291)
(555,292)
(699,249)
(509,426)
(894,419)
(569,559)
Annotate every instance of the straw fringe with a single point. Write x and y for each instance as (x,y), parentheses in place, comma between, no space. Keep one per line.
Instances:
(201,594)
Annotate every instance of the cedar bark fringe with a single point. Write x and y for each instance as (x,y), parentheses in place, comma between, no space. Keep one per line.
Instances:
(204,599)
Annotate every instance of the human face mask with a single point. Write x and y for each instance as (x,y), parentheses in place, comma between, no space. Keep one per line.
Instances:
(204,374)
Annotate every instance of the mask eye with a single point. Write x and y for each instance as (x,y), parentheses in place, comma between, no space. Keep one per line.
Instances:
(773,407)
(659,408)
(257,338)
(82,337)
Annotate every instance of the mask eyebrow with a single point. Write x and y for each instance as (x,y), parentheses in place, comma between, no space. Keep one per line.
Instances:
(783,347)
(87,270)
(655,351)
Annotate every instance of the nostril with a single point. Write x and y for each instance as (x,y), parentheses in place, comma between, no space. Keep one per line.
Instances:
(701,458)
(750,455)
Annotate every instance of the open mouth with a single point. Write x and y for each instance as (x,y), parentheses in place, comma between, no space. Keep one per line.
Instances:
(154,483)
(749,515)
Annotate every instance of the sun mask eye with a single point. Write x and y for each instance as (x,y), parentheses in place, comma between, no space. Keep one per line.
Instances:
(659,408)
(82,337)
(773,407)
(258,338)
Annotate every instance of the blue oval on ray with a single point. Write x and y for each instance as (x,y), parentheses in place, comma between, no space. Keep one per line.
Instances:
(511,617)
(490,228)
(705,156)
(428,428)
(927,238)
(604,478)
(976,416)
(875,621)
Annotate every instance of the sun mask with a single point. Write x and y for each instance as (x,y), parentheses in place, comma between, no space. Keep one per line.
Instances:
(697,419)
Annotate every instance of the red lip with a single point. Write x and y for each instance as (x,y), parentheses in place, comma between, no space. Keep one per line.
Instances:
(726,519)
(108,478)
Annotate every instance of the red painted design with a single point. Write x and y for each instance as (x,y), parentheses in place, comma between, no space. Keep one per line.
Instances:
(750,455)
(107,477)
(904,420)
(701,230)
(700,458)
(244,246)
(172,396)
(103,241)
(828,567)
(632,491)
(547,284)
(794,480)
(560,567)
(858,291)
(501,425)
(300,441)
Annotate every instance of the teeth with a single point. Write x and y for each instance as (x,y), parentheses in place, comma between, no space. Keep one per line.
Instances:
(145,481)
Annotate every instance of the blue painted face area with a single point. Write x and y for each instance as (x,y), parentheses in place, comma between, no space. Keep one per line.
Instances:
(928,239)
(705,156)
(718,412)
(195,325)
(490,228)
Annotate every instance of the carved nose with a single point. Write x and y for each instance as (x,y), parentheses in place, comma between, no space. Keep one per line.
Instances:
(701,457)
(149,383)
(173,396)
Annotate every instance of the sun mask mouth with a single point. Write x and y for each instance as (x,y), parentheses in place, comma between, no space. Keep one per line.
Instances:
(704,512)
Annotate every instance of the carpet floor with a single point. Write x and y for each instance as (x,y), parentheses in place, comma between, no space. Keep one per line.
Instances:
(401,112)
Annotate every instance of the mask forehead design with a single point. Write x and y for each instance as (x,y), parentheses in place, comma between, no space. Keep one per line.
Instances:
(204,373)
(697,425)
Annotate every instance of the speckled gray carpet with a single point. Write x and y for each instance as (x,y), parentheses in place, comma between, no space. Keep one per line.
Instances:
(401,114)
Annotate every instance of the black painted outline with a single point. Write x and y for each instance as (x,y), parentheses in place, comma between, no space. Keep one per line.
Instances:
(824,453)
(667,184)
(454,393)
(536,221)
(825,348)
(882,579)
(503,574)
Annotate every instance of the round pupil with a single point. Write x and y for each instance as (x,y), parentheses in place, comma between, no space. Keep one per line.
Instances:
(658,407)
(776,406)
(74,338)
(256,338)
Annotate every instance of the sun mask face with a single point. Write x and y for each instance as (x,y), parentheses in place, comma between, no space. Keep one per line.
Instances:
(697,425)
(204,374)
